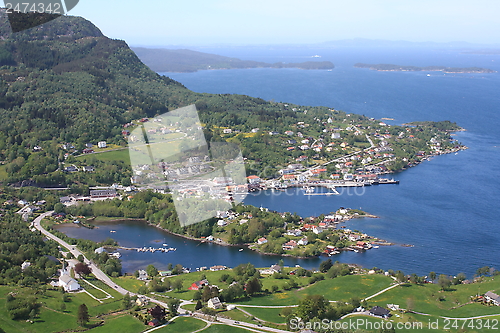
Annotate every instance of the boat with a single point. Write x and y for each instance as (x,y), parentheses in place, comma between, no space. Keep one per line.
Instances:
(308,189)
(112,231)
(240,250)
(316,56)
(375,246)
(165,244)
(428,75)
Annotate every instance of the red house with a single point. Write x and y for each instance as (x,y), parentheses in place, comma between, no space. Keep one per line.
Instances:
(198,285)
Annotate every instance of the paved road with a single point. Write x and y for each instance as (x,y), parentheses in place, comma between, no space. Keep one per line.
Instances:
(95,270)
(104,278)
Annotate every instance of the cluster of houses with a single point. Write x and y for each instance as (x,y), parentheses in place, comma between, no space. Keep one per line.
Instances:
(329,222)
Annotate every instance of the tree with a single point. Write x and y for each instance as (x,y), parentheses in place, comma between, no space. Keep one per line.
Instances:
(80,258)
(312,306)
(82,269)
(324,266)
(253,286)
(126,301)
(444,282)
(207,294)
(177,284)
(173,306)
(432,276)
(151,270)
(198,305)
(400,276)
(157,312)
(83,314)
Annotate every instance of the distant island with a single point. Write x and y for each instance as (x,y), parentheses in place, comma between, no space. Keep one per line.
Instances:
(398,68)
(182,60)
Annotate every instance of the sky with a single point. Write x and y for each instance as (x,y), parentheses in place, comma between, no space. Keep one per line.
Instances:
(203,22)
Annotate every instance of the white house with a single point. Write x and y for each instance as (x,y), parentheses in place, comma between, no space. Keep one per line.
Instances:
(303,241)
(348,176)
(99,250)
(214,303)
(492,297)
(254,179)
(261,241)
(101,144)
(295,232)
(317,230)
(221,223)
(67,282)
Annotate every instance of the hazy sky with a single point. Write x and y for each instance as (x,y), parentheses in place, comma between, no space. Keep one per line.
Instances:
(165,22)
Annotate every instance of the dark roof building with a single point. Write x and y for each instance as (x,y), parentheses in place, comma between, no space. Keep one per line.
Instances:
(379,312)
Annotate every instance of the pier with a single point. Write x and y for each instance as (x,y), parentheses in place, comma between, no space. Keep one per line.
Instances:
(148,249)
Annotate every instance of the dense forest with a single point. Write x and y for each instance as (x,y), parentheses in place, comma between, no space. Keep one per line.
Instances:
(166,60)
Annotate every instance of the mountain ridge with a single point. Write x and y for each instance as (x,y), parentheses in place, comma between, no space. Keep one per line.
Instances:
(184,60)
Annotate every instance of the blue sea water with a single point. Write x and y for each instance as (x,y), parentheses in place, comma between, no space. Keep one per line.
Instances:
(447,207)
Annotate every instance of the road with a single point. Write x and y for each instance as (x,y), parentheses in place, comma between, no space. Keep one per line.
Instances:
(95,270)
(104,278)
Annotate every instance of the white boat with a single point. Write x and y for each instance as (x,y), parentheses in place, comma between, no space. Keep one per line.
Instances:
(165,244)
(112,231)
(240,250)
(375,246)
(428,75)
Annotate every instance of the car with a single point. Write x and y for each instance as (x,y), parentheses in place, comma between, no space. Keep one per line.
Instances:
(259,325)
(236,322)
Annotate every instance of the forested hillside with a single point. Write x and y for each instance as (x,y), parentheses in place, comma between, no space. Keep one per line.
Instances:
(64,83)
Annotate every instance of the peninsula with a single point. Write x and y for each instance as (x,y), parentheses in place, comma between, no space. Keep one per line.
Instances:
(167,60)
(398,68)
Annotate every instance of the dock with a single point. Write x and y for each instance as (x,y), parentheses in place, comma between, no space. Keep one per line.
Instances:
(148,249)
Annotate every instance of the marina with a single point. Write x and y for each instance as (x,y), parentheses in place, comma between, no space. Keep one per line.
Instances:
(149,249)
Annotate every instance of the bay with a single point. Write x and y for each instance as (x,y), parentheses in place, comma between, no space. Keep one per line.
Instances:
(447,207)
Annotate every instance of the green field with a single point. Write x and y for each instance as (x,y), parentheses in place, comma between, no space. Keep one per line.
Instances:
(128,282)
(51,317)
(116,324)
(115,155)
(223,329)
(339,289)
(428,298)
(267,314)
(183,325)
